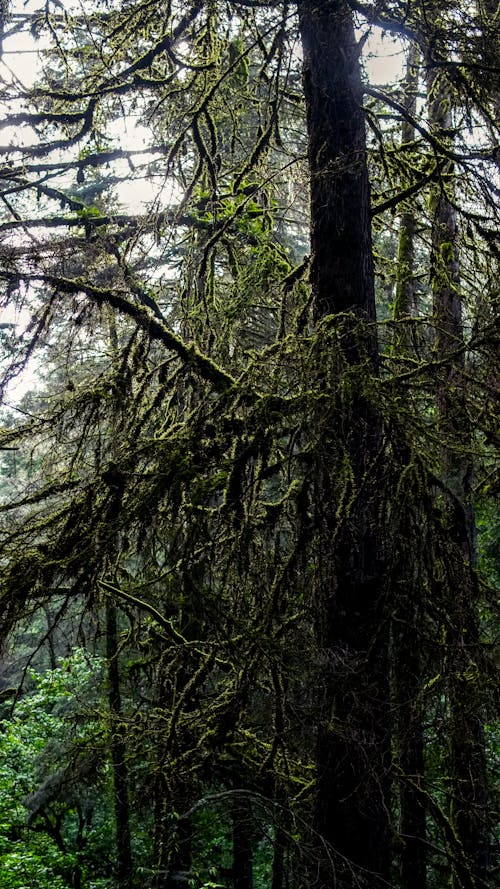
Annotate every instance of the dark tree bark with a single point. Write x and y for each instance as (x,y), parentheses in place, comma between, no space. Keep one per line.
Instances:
(407,625)
(243,830)
(282,832)
(342,276)
(353,748)
(468,781)
(279,852)
(179,862)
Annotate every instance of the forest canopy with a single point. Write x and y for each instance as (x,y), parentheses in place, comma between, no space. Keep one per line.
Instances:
(249,444)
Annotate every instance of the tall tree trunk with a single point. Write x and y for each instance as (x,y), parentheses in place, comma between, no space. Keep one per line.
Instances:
(468,785)
(407,614)
(353,748)
(118,746)
(342,275)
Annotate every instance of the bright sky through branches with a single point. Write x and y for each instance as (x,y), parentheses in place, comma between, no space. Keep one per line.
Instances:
(22,64)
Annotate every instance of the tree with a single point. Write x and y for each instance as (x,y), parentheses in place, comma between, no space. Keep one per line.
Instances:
(467,752)
(351,807)
(229,479)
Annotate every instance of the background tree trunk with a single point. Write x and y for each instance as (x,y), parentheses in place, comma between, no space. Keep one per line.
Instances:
(468,780)
(404,298)
(118,741)
(408,605)
(118,756)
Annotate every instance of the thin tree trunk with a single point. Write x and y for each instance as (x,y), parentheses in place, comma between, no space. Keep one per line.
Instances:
(118,756)
(118,746)
(468,784)
(353,749)
(243,830)
(404,298)
(279,852)
(407,615)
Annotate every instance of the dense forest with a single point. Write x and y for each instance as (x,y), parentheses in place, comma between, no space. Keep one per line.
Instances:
(249,434)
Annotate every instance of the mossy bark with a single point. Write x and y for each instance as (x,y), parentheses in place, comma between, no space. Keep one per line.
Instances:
(404,297)
(408,613)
